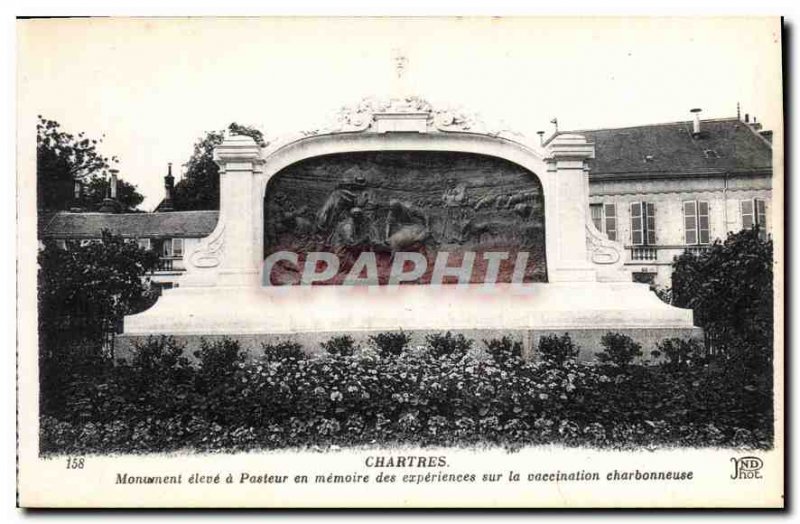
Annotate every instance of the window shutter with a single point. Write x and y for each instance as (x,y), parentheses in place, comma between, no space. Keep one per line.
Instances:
(597,215)
(747,214)
(690,222)
(650,223)
(611,221)
(702,223)
(636,224)
(761,212)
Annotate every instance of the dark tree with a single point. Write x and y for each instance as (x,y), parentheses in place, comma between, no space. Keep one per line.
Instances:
(62,159)
(84,291)
(730,290)
(200,187)
(95,284)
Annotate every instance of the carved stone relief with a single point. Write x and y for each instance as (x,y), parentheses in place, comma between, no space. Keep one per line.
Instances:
(400,201)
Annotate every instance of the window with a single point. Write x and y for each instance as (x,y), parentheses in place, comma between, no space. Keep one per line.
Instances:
(604,218)
(61,243)
(754,214)
(695,222)
(143,243)
(643,224)
(644,278)
(173,247)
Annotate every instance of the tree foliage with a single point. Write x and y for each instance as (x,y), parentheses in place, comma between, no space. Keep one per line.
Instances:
(730,290)
(84,291)
(199,188)
(96,189)
(62,159)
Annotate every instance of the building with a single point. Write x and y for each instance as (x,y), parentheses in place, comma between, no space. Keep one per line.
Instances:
(664,189)
(169,233)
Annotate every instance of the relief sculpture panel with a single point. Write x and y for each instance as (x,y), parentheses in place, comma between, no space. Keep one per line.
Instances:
(384,203)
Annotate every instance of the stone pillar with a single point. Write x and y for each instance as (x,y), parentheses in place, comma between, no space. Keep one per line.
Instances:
(568,172)
(239,159)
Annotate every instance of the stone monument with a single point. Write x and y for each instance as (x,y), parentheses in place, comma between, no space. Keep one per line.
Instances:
(401,182)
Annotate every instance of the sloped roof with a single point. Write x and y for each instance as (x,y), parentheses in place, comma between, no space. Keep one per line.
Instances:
(192,224)
(725,145)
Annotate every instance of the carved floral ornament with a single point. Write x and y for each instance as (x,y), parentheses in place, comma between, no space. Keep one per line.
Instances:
(361,117)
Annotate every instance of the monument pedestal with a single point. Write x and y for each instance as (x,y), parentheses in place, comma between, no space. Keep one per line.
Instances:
(311,315)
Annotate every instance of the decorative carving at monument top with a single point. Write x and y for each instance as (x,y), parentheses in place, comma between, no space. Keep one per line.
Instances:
(403,114)
(364,115)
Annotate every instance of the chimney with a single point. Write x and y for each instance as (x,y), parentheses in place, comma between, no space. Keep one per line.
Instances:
(169,186)
(113,184)
(110,204)
(696,122)
(77,201)
(541,137)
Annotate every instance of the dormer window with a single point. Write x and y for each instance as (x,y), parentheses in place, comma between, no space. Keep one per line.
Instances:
(649,158)
(710,153)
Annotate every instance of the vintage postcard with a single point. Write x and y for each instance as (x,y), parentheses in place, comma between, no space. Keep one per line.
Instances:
(400,262)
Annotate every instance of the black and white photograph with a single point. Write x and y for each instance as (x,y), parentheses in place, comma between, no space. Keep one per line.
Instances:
(400,262)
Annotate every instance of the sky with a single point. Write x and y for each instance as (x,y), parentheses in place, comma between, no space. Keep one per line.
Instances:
(152,87)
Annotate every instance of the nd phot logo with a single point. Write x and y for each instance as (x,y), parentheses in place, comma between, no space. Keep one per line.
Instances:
(747,468)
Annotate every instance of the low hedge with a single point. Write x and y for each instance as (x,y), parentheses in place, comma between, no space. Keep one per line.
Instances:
(452,391)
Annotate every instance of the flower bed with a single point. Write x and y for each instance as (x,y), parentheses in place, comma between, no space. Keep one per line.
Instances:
(452,391)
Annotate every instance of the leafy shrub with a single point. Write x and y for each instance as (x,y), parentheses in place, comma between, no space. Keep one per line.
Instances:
(729,287)
(285,349)
(220,357)
(679,352)
(440,345)
(620,350)
(158,355)
(504,350)
(391,343)
(558,350)
(343,345)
